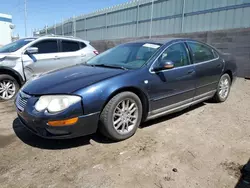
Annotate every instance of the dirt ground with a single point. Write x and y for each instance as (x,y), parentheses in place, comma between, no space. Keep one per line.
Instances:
(204,146)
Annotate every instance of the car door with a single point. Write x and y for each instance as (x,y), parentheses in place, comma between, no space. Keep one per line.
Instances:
(173,87)
(44,60)
(69,53)
(208,68)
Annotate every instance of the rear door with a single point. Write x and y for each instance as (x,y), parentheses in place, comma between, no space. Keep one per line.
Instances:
(69,53)
(208,68)
(45,60)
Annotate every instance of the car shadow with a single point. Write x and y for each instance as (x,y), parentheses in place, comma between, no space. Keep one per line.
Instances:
(244,181)
(55,144)
(33,140)
(171,116)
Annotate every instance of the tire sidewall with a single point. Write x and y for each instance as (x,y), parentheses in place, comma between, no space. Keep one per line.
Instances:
(218,87)
(110,128)
(17,87)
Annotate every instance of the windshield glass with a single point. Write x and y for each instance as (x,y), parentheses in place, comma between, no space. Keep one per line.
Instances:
(14,46)
(129,56)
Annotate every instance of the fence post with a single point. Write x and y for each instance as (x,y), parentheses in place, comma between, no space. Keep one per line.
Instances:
(151,19)
(55,28)
(74,26)
(85,24)
(106,26)
(137,19)
(183,15)
(62,28)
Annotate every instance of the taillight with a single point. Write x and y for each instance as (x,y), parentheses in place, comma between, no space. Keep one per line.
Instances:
(96,52)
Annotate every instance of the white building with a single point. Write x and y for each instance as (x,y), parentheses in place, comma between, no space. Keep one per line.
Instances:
(6,27)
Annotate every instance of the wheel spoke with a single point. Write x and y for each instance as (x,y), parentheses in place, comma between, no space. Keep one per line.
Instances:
(131,106)
(126,126)
(5,94)
(123,105)
(127,104)
(117,121)
(123,127)
(10,92)
(131,121)
(116,114)
(119,125)
(220,92)
(7,85)
(133,110)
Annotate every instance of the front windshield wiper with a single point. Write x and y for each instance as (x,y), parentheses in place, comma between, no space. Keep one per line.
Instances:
(109,66)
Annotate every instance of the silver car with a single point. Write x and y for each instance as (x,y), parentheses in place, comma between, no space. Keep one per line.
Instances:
(28,57)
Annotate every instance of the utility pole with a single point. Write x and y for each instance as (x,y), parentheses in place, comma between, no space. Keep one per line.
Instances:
(25,17)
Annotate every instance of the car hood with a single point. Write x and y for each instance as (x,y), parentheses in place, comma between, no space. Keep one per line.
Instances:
(68,80)
(9,55)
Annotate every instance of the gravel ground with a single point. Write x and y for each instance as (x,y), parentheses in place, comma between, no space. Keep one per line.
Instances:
(204,146)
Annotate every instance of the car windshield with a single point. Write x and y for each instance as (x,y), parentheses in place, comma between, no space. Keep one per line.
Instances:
(127,56)
(14,46)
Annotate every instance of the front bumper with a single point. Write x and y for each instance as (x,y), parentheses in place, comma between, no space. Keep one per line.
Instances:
(37,122)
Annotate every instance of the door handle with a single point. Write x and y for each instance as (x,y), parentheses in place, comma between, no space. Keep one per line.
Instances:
(190,71)
(219,65)
(56,58)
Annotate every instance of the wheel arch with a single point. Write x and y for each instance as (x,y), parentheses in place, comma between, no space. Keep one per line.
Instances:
(230,73)
(13,73)
(142,96)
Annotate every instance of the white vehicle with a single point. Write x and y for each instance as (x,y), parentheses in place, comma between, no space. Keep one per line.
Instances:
(25,58)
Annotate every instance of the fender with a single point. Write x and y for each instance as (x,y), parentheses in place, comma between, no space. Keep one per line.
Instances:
(12,72)
(95,96)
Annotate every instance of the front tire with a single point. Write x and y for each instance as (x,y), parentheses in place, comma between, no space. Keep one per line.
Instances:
(121,116)
(8,87)
(223,89)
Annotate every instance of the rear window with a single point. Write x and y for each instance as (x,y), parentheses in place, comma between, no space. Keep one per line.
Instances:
(70,46)
(82,45)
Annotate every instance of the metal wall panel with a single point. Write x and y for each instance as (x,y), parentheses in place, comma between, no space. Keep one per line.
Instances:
(80,25)
(95,22)
(133,19)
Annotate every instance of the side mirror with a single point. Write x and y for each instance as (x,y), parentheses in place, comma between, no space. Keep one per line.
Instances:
(31,50)
(164,66)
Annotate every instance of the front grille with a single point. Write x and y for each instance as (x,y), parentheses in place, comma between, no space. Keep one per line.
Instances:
(22,100)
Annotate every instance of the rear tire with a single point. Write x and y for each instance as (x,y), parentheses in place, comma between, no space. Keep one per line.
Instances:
(223,89)
(121,116)
(8,87)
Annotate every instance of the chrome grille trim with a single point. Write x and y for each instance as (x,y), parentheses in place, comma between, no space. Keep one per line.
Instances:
(21,100)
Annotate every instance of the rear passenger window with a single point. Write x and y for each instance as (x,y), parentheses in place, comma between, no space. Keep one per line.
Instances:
(46,46)
(82,45)
(70,46)
(201,52)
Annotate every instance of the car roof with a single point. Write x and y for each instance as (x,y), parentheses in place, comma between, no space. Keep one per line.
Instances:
(58,37)
(158,40)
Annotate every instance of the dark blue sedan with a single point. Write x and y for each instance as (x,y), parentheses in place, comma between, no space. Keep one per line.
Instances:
(121,88)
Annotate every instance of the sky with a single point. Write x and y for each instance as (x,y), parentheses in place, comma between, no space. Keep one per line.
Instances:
(48,12)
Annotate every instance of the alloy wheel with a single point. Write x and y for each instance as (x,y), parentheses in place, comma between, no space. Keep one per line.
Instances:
(7,89)
(224,86)
(125,116)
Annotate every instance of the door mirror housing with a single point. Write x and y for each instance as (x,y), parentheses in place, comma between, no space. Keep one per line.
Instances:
(164,66)
(31,50)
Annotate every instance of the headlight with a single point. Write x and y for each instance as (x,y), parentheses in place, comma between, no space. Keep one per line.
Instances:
(56,103)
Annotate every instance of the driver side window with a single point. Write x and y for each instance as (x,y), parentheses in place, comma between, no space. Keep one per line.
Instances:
(177,54)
